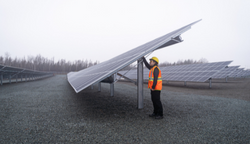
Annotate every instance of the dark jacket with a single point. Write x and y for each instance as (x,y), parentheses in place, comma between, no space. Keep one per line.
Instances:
(156,72)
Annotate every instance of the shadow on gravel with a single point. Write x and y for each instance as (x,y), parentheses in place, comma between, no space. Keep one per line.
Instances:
(100,106)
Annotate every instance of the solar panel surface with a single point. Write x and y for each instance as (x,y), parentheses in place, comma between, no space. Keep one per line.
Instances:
(236,72)
(195,72)
(242,73)
(86,77)
(247,74)
(190,72)
(225,72)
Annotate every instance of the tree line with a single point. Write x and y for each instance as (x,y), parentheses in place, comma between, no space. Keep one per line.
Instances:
(184,62)
(40,63)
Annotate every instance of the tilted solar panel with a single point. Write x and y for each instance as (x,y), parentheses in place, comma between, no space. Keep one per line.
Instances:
(192,72)
(236,72)
(225,72)
(242,73)
(189,72)
(8,72)
(86,77)
(247,74)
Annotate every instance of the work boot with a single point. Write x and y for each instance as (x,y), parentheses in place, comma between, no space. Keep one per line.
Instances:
(159,117)
(152,115)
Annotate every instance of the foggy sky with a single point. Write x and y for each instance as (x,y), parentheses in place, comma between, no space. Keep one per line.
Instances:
(100,30)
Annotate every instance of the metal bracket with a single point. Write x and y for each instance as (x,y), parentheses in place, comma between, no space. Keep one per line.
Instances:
(174,40)
(177,40)
(17,73)
(127,78)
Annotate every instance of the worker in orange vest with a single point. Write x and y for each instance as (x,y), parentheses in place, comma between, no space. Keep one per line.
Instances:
(155,85)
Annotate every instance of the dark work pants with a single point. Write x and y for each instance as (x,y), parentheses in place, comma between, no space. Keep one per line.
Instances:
(156,99)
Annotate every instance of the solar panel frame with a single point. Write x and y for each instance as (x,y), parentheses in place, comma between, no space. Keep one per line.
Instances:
(194,72)
(225,72)
(247,74)
(236,72)
(189,72)
(84,78)
(9,72)
(241,74)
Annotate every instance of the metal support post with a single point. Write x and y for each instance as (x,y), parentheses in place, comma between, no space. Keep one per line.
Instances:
(16,78)
(210,83)
(226,79)
(139,84)
(21,78)
(112,85)
(185,83)
(1,79)
(25,78)
(92,87)
(99,86)
(9,78)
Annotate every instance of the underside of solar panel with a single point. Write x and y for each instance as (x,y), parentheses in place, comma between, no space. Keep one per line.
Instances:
(8,72)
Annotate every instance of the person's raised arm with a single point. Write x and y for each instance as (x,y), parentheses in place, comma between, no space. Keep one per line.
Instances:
(146,63)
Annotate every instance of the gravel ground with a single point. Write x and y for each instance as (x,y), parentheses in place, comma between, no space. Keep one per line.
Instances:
(49,111)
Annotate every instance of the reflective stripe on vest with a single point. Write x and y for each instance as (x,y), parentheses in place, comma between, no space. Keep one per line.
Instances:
(151,79)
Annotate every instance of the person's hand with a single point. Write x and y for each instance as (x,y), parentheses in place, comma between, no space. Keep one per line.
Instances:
(152,89)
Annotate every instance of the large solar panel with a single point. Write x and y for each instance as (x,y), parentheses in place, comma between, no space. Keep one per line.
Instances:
(225,72)
(194,72)
(243,73)
(86,77)
(236,72)
(190,72)
(248,73)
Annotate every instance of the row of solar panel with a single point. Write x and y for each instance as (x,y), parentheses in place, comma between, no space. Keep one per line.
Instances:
(8,73)
(194,72)
(97,73)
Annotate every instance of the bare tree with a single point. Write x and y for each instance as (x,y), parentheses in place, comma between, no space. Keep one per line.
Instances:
(7,59)
(203,60)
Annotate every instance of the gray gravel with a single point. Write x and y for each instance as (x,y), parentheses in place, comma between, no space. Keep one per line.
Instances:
(49,111)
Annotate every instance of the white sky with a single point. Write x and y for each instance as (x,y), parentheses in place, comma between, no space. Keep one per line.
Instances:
(100,30)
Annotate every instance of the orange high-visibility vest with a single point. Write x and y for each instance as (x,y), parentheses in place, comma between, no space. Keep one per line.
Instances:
(151,79)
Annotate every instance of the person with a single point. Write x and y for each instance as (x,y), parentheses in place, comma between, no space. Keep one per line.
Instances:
(155,85)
